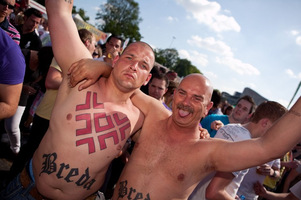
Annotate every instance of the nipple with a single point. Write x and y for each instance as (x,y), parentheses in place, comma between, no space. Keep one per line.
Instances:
(69,116)
(181,177)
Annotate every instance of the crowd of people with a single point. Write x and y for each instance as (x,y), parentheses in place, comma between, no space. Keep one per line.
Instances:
(108,122)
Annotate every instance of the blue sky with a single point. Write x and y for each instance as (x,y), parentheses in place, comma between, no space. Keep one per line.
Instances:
(235,43)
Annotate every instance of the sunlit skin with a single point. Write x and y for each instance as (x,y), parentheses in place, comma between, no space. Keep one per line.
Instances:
(113,45)
(4,10)
(157,88)
(191,102)
(241,112)
(133,67)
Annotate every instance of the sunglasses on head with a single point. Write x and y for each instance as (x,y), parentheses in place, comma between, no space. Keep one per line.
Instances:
(4,3)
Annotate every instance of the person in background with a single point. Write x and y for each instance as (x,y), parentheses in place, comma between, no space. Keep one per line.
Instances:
(294,194)
(216,99)
(158,86)
(240,114)
(6,7)
(113,48)
(29,37)
(12,70)
(222,185)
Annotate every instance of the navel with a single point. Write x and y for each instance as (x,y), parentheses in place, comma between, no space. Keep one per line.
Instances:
(69,116)
(181,177)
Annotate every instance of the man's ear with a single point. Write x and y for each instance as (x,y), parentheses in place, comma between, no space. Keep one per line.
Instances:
(87,43)
(148,78)
(208,107)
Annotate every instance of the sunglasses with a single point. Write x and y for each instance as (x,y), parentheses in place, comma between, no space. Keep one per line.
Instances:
(4,3)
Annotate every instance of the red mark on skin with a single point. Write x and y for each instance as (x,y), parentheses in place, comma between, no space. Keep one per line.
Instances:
(88,129)
(102,138)
(181,177)
(118,120)
(107,126)
(86,105)
(95,104)
(89,141)
(69,116)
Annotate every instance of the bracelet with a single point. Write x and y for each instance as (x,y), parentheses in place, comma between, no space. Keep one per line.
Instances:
(295,113)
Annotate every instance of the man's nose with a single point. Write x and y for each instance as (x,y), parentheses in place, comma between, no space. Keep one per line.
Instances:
(134,65)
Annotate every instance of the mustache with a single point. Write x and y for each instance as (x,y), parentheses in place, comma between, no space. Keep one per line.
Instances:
(186,108)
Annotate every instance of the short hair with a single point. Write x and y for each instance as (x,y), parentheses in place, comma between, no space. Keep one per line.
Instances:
(268,109)
(160,76)
(250,100)
(116,37)
(216,97)
(85,35)
(32,11)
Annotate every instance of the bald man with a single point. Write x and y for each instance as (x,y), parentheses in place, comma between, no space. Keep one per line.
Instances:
(169,158)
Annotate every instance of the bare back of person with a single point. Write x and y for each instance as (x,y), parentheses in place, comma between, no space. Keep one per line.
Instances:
(84,136)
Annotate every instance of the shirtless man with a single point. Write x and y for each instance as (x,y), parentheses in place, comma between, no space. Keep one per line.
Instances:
(169,159)
(87,128)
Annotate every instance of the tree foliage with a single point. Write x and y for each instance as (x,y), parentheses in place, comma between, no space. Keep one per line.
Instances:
(120,18)
(184,67)
(167,57)
(170,59)
(81,13)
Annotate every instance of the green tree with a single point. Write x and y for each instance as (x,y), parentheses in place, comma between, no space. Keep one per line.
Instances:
(184,67)
(81,13)
(121,18)
(167,57)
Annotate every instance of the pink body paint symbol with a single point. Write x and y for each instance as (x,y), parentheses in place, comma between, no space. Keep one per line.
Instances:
(89,141)
(88,129)
(104,125)
(86,105)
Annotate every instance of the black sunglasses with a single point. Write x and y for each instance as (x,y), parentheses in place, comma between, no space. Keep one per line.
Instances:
(4,3)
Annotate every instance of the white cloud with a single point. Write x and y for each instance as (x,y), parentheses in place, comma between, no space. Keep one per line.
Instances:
(238,66)
(292,74)
(172,19)
(298,40)
(195,57)
(209,13)
(224,53)
(211,44)
(294,32)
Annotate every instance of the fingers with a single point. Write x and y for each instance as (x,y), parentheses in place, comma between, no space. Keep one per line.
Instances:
(85,84)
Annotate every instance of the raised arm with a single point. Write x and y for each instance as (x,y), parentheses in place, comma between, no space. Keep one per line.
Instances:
(279,139)
(67,46)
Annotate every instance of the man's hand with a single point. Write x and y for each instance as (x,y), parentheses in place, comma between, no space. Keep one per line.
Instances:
(88,71)
(265,170)
(204,133)
(217,124)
